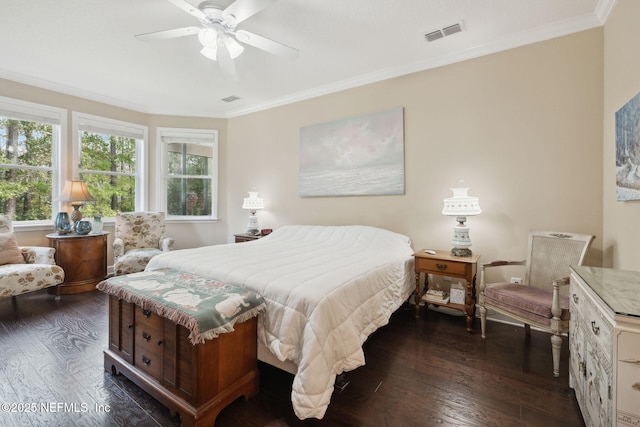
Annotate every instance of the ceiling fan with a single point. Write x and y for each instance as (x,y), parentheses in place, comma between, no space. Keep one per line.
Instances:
(218,32)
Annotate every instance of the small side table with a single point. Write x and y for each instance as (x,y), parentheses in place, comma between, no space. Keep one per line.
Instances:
(83,259)
(246,237)
(442,263)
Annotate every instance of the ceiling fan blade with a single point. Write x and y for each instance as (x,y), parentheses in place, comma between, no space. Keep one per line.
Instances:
(168,34)
(266,44)
(190,9)
(227,64)
(243,9)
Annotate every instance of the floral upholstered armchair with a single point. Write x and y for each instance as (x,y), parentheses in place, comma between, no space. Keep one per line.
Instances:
(139,237)
(25,269)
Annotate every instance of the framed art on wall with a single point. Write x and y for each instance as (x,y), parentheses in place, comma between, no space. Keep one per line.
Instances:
(357,156)
(628,150)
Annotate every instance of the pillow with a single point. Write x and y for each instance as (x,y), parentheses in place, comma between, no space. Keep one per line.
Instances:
(10,253)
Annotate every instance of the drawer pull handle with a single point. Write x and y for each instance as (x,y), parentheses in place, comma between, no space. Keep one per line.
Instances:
(594,328)
(441,267)
(146,360)
(146,313)
(130,326)
(575,298)
(146,336)
(160,342)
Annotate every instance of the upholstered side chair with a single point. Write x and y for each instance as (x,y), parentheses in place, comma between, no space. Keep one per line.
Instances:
(542,299)
(139,236)
(25,268)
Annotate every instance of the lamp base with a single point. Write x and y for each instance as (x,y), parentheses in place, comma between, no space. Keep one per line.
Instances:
(253,228)
(76,215)
(464,252)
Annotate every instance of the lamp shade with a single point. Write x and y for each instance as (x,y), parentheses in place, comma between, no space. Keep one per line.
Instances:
(461,204)
(253,202)
(75,191)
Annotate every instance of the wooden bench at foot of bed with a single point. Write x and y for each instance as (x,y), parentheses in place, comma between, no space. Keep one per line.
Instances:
(195,381)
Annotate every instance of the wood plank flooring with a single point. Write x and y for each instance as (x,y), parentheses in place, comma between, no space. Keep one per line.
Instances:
(428,372)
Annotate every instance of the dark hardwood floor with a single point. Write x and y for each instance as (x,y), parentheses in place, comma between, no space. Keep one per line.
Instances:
(418,373)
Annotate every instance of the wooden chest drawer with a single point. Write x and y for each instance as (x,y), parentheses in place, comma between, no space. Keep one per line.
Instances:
(148,358)
(148,339)
(427,265)
(148,319)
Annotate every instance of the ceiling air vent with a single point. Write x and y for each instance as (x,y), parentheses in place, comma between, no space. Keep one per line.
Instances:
(452,29)
(434,35)
(443,32)
(230,98)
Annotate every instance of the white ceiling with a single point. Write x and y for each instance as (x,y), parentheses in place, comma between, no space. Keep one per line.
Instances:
(87,48)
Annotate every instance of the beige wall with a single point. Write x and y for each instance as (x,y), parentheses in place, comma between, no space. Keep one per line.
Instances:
(522,127)
(621,83)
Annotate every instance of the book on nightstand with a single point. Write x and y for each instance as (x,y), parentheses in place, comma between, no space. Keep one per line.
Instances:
(435,296)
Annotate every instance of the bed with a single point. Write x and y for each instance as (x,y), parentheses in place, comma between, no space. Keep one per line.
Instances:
(326,288)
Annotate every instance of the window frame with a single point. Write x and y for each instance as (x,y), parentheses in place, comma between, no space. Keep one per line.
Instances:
(57,118)
(88,122)
(188,135)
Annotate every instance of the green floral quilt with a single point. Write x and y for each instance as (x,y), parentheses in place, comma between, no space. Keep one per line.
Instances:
(204,306)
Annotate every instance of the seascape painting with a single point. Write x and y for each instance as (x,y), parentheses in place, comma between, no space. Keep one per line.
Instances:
(628,150)
(356,156)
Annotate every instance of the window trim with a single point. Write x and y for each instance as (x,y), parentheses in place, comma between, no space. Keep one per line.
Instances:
(186,134)
(88,122)
(57,117)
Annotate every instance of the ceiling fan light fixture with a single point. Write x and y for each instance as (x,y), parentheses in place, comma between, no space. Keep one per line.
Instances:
(209,52)
(234,48)
(208,37)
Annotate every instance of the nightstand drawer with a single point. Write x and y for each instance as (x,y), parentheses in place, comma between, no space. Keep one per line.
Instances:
(427,265)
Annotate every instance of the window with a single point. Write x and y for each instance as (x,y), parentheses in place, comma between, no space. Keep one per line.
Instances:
(30,138)
(189,162)
(111,159)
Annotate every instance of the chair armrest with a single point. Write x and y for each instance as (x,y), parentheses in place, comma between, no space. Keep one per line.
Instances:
(501,263)
(38,254)
(166,243)
(118,247)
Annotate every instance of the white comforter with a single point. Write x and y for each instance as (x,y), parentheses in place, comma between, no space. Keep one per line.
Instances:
(327,288)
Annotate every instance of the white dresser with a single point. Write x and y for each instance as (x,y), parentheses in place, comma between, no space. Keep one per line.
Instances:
(604,345)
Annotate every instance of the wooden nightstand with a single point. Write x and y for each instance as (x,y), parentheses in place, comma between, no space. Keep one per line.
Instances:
(443,264)
(83,259)
(246,237)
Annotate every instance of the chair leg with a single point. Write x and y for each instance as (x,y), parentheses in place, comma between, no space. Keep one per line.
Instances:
(483,320)
(556,347)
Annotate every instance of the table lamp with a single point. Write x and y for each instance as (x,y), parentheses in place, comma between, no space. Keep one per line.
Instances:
(253,203)
(461,206)
(76,192)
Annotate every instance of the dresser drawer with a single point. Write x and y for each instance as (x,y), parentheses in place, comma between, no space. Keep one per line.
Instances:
(628,378)
(590,315)
(427,265)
